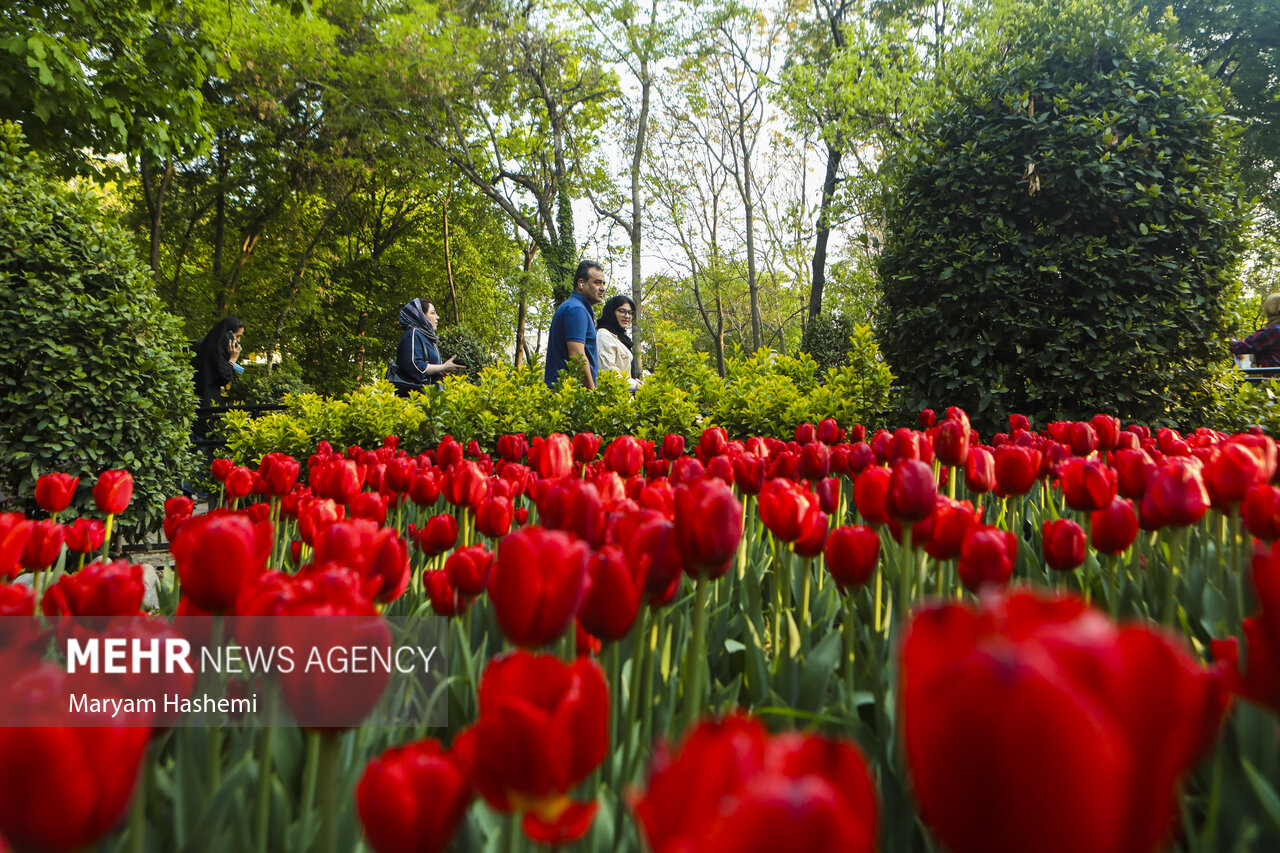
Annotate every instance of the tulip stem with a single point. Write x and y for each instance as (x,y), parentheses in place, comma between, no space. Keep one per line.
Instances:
(694,654)
(106,536)
(613,667)
(329,747)
(262,805)
(1169,617)
(638,660)
(309,775)
(1237,568)
(850,646)
(905,567)
(138,812)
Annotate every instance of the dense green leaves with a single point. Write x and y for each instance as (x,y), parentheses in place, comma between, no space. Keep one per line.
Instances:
(1062,240)
(94,374)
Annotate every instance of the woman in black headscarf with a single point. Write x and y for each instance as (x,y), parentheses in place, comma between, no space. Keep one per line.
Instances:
(613,338)
(215,360)
(418,355)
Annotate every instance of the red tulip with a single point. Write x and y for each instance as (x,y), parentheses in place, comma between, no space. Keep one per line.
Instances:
(464,484)
(1114,527)
(445,600)
(730,786)
(708,527)
(220,467)
(239,482)
(1087,484)
(90,764)
(713,442)
(912,490)
(43,545)
(829,431)
(748,473)
(614,590)
(852,553)
(413,798)
(653,554)
(1082,437)
(424,488)
(805,434)
(537,584)
(83,535)
(376,554)
(624,455)
(1063,542)
(512,448)
(787,509)
(113,492)
(337,479)
(1107,428)
(951,443)
(1259,680)
(576,507)
(1176,494)
(439,534)
(672,446)
(15,530)
(944,530)
(215,554)
(814,539)
(448,453)
(871,494)
(326,611)
(315,514)
(1026,693)
(493,517)
(468,569)
(585,446)
(980,471)
(815,461)
(828,494)
(1016,468)
(54,491)
(94,594)
(1261,512)
(1230,472)
(986,557)
(542,729)
(909,444)
(926,419)
(1133,472)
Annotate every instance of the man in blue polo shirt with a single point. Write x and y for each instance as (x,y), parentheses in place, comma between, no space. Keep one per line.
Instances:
(572,338)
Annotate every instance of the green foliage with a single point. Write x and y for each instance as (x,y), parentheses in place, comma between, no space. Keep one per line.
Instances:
(462,342)
(103,76)
(1245,404)
(826,339)
(1063,238)
(766,394)
(258,386)
(858,391)
(94,374)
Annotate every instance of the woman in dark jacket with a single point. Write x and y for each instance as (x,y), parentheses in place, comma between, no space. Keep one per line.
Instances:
(418,355)
(215,360)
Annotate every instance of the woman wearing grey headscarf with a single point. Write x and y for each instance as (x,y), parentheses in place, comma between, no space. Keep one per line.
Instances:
(418,355)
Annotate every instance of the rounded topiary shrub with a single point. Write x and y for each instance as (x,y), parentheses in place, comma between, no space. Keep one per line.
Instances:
(826,338)
(94,374)
(1060,240)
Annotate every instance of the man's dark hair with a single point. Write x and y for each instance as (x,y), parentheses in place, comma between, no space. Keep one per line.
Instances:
(583,272)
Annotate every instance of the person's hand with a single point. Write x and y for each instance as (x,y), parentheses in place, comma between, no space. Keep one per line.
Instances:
(451,366)
(234,350)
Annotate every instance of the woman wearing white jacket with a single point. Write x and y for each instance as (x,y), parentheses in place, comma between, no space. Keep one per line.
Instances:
(613,341)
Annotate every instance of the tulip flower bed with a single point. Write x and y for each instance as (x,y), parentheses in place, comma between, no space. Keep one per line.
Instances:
(1066,640)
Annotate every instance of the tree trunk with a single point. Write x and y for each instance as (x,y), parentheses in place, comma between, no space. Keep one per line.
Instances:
(824,231)
(219,232)
(637,157)
(360,329)
(753,286)
(448,261)
(154,198)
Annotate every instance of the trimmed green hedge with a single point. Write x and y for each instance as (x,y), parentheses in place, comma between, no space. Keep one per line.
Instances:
(763,394)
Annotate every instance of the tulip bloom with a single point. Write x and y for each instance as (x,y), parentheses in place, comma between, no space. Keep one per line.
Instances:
(1176,494)
(951,443)
(43,545)
(215,554)
(852,553)
(986,557)
(239,483)
(708,527)
(1259,680)
(413,797)
(787,509)
(748,473)
(614,592)
(445,600)
(92,768)
(624,455)
(713,442)
(377,554)
(94,594)
(654,555)
(871,494)
(731,786)
(438,535)
(493,517)
(1114,527)
(1027,693)
(1016,468)
(113,492)
(54,491)
(1231,472)
(585,446)
(15,530)
(537,584)
(1087,484)
(468,570)
(1261,512)
(912,491)
(980,471)
(1063,542)
(542,729)
(280,473)
(83,534)
(815,461)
